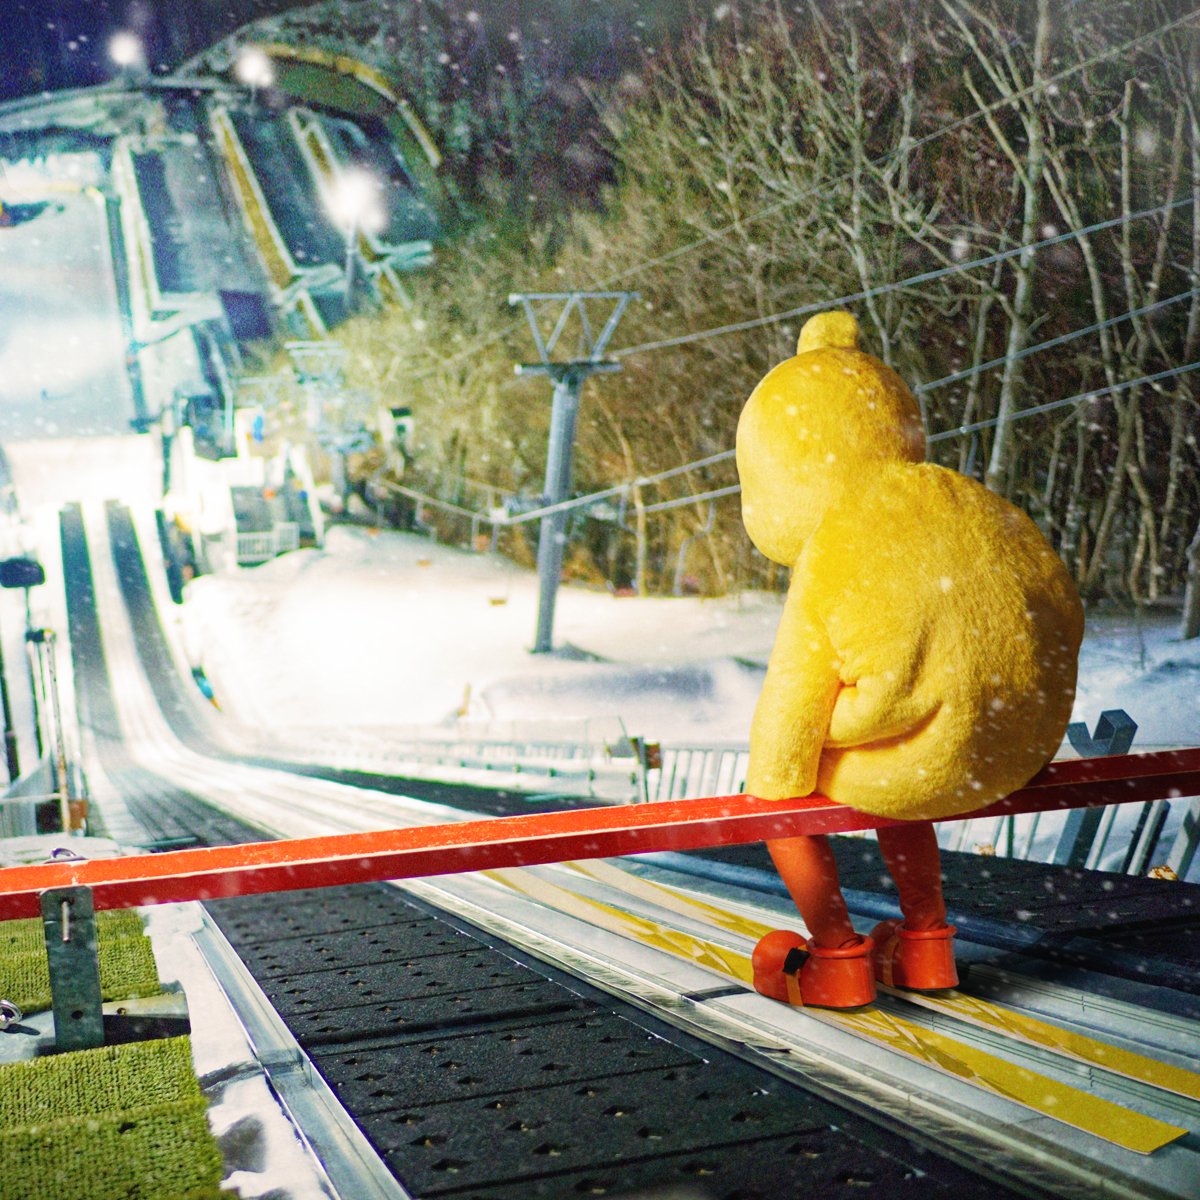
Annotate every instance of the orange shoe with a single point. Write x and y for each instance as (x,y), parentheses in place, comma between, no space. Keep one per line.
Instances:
(918,959)
(788,968)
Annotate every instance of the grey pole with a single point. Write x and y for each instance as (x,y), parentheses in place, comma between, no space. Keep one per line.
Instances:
(568,380)
(351,236)
(552,533)
(44,640)
(10,734)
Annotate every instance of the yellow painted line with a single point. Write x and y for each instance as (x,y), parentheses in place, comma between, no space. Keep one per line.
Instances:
(313,142)
(370,78)
(252,205)
(700,953)
(1123,1127)
(669,898)
(1078,1046)
(1081,1110)
(958,1005)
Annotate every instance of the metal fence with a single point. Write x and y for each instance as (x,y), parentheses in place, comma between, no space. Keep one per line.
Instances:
(593,758)
(1132,839)
(599,759)
(717,769)
(259,547)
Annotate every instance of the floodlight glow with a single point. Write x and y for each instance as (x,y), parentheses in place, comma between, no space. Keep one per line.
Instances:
(356,202)
(125,49)
(254,68)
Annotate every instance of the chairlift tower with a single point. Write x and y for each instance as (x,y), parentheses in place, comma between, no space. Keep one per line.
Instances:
(320,371)
(568,378)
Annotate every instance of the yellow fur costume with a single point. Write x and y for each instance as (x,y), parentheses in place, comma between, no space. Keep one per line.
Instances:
(925,661)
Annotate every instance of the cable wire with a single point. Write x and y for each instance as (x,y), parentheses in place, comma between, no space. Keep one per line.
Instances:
(1092,394)
(885,160)
(684,339)
(619,489)
(1062,339)
(945,435)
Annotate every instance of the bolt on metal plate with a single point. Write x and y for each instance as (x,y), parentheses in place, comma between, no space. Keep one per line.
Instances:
(69,920)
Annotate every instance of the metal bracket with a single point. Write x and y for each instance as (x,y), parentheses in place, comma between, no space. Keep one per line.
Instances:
(1114,735)
(69,920)
(593,344)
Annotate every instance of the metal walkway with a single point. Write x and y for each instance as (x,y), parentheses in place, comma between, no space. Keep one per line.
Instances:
(566,1033)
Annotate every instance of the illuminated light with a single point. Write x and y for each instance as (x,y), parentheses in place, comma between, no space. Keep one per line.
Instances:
(356,202)
(125,49)
(254,68)
(1146,141)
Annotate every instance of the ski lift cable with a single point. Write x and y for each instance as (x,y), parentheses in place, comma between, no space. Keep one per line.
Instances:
(1061,340)
(810,193)
(960,431)
(1090,394)
(701,335)
(619,489)
(885,160)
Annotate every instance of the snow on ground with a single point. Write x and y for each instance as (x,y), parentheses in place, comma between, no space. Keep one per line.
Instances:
(1140,665)
(391,629)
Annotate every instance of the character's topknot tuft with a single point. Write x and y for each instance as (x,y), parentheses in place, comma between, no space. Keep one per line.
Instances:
(837,329)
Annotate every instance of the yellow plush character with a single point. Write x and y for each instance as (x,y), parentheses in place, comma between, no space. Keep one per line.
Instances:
(925,661)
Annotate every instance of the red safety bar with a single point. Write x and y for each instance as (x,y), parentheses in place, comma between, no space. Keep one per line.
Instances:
(222,871)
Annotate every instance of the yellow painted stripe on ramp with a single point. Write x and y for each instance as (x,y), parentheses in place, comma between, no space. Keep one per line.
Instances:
(960,1006)
(1081,1110)
(670,898)
(1123,1127)
(1078,1046)
(615,920)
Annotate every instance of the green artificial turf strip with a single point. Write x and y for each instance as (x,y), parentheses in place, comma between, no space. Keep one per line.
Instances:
(121,1122)
(26,936)
(127,968)
(94,1082)
(142,1154)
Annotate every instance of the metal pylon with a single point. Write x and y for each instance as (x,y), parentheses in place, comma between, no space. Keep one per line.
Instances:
(568,377)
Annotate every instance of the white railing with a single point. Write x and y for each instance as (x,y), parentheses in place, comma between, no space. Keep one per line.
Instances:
(717,769)
(593,758)
(1131,839)
(18,816)
(287,536)
(259,547)
(598,759)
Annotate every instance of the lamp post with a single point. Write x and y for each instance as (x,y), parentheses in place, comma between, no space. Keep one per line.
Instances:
(255,70)
(356,204)
(16,573)
(44,640)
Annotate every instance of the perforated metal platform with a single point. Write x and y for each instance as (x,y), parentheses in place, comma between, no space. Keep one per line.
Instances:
(477,1074)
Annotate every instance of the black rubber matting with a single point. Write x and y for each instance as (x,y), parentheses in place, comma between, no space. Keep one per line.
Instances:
(1127,913)
(478,1073)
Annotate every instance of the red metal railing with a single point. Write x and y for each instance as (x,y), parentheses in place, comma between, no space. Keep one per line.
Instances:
(223,871)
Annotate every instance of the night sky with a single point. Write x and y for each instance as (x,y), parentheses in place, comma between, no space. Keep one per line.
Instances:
(53,44)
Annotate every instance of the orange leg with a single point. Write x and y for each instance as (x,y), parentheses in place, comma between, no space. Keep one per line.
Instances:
(809,871)
(911,854)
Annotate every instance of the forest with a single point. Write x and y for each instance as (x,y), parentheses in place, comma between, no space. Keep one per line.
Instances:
(1004,194)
